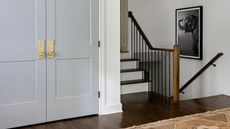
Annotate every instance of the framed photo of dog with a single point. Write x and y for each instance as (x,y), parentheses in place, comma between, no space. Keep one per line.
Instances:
(189,32)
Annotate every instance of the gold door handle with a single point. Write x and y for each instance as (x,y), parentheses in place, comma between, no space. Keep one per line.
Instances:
(51,55)
(41,49)
(51,51)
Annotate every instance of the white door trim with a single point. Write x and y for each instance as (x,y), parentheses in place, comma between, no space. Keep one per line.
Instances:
(109,57)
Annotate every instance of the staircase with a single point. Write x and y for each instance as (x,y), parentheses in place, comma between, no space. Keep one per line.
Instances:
(133,79)
(149,69)
(145,68)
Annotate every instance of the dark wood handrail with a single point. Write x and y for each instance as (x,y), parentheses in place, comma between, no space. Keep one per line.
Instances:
(201,71)
(144,36)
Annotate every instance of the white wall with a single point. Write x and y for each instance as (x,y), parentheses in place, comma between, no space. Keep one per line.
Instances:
(110,56)
(216,33)
(154,17)
(157,18)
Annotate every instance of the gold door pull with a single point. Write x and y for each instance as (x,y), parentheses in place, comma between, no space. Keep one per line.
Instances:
(51,54)
(41,49)
(51,51)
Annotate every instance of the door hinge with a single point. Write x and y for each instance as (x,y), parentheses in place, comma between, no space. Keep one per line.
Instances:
(99,43)
(99,94)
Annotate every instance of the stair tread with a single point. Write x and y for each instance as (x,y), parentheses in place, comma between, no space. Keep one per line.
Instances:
(130,70)
(129,59)
(134,81)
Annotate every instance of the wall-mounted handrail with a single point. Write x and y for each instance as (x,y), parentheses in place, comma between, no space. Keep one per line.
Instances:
(201,71)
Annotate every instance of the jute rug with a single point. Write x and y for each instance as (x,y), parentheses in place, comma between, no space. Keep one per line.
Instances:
(219,119)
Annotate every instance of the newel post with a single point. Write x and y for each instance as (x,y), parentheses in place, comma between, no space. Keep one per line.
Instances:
(176,73)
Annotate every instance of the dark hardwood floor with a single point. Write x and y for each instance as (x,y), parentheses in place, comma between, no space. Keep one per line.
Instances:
(139,109)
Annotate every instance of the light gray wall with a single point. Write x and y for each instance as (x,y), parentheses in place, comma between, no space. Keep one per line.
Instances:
(124,25)
(216,35)
(154,17)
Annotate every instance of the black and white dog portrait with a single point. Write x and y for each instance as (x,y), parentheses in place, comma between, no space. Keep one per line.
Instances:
(189,32)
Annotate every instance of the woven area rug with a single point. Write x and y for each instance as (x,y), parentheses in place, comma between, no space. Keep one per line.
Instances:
(219,119)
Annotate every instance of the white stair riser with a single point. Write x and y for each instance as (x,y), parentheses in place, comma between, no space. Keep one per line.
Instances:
(134,88)
(131,76)
(125,55)
(129,65)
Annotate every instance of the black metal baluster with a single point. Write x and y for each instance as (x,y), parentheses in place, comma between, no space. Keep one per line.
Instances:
(139,50)
(158,72)
(155,70)
(162,86)
(159,75)
(162,73)
(169,76)
(151,71)
(131,39)
(146,74)
(165,78)
(148,69)
(142,60)
(134,42)
(137,33)
(139,46)
(142,53)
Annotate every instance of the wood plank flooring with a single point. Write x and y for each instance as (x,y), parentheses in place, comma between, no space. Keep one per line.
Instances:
(139,109)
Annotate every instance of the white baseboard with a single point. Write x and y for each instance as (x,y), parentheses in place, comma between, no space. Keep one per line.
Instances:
(110,109)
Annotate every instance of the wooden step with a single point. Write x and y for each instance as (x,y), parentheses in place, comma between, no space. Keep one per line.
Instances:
(124,60)
(130,70)
(124,51)
(134,82)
